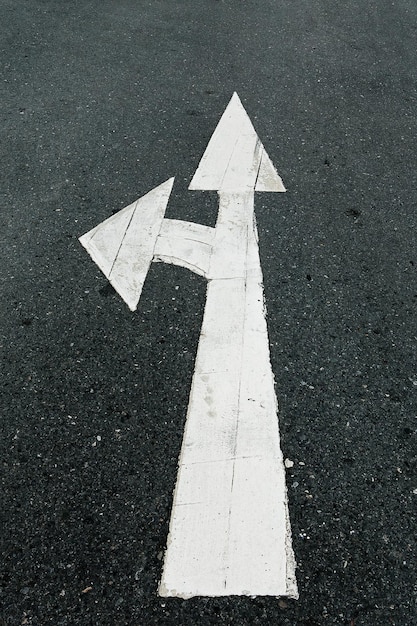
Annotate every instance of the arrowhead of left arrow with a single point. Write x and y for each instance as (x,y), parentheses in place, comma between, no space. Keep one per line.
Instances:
(123,245)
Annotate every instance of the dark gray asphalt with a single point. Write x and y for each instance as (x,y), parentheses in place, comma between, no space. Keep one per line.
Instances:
(102,101)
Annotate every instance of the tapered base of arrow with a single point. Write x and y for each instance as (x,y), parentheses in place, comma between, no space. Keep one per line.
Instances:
(229,530)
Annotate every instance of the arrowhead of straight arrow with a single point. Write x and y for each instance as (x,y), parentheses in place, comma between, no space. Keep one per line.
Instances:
(235,159)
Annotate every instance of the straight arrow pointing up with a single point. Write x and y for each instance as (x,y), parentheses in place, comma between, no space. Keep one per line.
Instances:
(229,531)
(235,159)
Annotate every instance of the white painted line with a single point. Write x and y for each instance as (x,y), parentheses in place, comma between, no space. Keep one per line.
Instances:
(229,530)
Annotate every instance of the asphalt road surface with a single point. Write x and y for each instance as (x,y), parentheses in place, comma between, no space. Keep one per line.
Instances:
(101,102)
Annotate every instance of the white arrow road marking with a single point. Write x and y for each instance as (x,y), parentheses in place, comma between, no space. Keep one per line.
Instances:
(185,244)
(229,530)
(235,159)
(123,245)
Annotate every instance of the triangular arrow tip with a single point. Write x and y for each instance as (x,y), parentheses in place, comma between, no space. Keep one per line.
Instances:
(235,160)
(123,245)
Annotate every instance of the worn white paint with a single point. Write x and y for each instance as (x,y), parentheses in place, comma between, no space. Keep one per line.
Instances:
(229,530)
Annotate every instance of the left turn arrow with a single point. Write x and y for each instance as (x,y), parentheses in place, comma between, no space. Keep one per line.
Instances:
(123,245)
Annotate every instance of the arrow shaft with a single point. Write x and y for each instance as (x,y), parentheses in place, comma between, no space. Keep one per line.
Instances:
(228,530)
(234,223)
